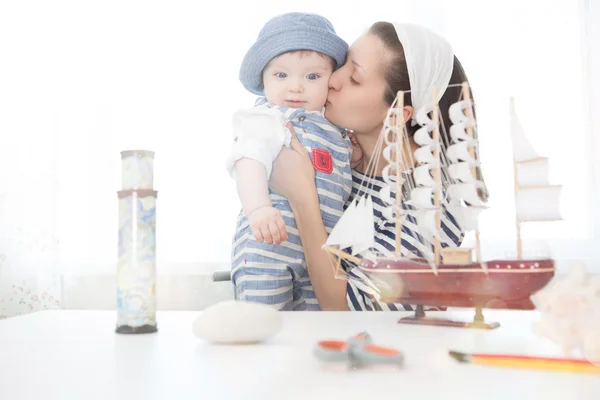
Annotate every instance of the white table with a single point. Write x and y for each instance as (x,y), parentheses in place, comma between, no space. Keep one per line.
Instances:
(76,355)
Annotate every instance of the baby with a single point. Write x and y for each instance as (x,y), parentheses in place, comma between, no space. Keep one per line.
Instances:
(289,66)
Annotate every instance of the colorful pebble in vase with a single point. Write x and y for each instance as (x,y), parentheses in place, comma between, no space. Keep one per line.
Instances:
(136,270)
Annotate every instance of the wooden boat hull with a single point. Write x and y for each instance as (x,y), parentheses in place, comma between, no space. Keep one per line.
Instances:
(492,284)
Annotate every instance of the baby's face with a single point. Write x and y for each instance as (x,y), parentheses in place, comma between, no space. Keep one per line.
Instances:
(298,79)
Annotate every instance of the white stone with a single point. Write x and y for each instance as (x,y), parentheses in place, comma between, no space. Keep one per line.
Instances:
(237,322)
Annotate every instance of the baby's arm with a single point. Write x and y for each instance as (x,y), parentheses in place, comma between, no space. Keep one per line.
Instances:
(265,221)
(252,185)
(259,134)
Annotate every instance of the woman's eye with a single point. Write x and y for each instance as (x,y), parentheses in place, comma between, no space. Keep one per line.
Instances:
(312,77)
(353,81)
(281,75)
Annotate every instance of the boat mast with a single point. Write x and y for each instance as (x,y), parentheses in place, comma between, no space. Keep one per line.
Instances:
(469,114)
(519,244)
(516,182)
(531,182)
(437,178)
(516,178)
(399,118)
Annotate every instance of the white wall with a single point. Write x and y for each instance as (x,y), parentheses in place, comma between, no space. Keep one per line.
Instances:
(81,81)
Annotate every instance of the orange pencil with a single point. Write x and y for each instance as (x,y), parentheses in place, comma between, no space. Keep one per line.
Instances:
(543,363)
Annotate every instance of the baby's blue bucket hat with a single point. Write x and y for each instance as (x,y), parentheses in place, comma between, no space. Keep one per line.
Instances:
(290,32)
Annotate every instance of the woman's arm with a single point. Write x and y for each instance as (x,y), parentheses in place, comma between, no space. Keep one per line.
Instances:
(293,177)
(330,291)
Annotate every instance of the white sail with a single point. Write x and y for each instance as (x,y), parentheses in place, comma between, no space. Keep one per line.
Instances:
(426,219)
(522,148)
(423,155)
(355,228)
(457,114)
(466,217)
(423,177)
(458,132)
(465,205)
(389,152)
(365,228)
(424,120)
(533,173)
(466,192)
(539,203)
(423,138)
(459,152)
(421,197)
(535,198)
(461,172)
(389,174)
(342,234)
(386,195)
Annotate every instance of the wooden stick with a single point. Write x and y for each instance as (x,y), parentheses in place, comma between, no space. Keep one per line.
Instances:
(516,182)
(341,254)
(469,114)
(438,179)
(538,187)
(398,139)
(519,244)
(532,160)
(338,266)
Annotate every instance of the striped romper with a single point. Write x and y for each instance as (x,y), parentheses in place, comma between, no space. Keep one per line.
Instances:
(274,274)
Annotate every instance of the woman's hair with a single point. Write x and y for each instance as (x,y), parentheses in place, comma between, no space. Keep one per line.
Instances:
(396,76)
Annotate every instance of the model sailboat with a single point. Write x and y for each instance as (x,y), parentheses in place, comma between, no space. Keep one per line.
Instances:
(444,178)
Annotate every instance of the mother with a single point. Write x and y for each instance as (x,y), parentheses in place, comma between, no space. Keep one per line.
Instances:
(385,60)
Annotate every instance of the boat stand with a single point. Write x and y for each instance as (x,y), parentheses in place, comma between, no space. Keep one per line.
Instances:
(421,319)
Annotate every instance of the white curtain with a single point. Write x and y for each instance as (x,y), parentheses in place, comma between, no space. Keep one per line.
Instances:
(29,278)
(81,81)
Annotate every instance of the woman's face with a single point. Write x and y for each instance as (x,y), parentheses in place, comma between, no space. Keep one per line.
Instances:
(355,100)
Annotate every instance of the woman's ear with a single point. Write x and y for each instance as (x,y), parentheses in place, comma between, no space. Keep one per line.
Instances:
(408,113)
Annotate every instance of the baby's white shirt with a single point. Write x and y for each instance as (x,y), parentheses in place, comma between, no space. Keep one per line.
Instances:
(259,134)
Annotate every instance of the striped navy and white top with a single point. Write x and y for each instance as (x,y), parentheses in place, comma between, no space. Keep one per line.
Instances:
(362,294)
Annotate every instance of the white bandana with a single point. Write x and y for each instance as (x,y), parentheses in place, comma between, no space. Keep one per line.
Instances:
(429,60)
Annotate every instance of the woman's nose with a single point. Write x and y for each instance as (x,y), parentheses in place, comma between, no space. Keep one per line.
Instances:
(335,80)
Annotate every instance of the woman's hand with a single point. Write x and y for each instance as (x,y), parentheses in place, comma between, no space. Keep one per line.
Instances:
(293,175)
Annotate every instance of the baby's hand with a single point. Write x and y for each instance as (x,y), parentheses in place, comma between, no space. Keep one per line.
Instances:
(267,225)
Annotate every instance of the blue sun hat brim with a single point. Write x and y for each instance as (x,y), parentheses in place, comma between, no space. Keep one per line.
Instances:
(290,32)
